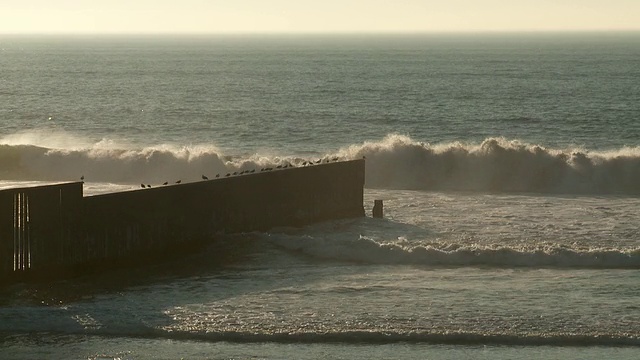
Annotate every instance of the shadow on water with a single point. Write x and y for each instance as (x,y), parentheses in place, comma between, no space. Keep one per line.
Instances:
(222,254)
(226,257)
(138,301)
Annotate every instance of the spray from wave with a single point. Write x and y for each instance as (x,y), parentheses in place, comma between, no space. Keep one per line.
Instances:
(395,162)
(62,157)
(497,164)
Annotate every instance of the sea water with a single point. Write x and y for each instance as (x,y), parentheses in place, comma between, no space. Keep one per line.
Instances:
(509,166)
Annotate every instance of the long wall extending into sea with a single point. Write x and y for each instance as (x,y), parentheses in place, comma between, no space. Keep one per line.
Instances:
(54,231)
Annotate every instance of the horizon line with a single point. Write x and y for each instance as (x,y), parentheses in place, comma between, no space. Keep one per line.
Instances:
(338,33)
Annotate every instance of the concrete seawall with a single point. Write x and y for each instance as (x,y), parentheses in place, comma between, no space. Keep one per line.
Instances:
(55,231)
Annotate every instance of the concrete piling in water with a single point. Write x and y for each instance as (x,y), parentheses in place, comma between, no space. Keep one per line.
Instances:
(377,209)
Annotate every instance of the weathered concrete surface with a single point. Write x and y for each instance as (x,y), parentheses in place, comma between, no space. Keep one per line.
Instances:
(54,229)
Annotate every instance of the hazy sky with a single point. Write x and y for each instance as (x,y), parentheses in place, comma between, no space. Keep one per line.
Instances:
(303,16)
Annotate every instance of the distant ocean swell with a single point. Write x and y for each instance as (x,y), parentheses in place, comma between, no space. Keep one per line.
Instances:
(387,337)
(368,251)
(373,337)
(395,162)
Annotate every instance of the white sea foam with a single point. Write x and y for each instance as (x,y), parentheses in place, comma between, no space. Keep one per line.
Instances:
(395,162)
(366,250)
(497,164)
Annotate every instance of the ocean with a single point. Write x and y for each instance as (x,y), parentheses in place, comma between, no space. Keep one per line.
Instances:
(509,167)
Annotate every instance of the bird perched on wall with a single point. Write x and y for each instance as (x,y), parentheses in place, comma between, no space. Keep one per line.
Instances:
(204,177)
(142,186)
(165,183)
(178,182)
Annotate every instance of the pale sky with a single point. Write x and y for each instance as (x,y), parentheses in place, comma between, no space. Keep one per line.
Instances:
(314,16)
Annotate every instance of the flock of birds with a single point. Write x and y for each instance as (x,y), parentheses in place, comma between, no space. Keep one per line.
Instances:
(235,173)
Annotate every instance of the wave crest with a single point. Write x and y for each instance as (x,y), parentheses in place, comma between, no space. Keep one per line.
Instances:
(497,164)
(366,250)
(395,162)
(104,164)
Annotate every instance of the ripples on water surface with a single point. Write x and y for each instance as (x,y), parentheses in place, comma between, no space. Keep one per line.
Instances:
(509,168)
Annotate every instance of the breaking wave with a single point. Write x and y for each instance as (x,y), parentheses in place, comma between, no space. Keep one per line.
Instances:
(395,162)
(368,251)
(106,161)
(497,164)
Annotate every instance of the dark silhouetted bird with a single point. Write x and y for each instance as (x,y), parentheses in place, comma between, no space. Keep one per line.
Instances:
(142,186)
(82,177)
(165,183)
(148,185)
(227,175)
(178,182)
(217,175)
(204,177)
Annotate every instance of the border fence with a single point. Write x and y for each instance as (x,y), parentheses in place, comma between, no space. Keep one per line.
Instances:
(55,231)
